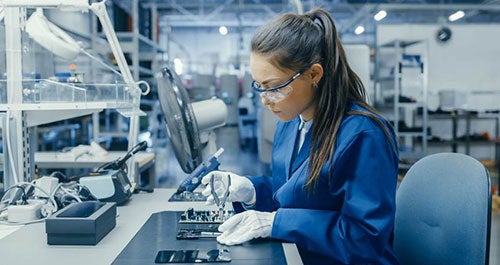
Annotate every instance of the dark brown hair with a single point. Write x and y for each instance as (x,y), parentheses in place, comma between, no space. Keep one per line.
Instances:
(296,42)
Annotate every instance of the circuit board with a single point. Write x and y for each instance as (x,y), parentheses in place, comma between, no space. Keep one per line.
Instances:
(187,196)
(201,224)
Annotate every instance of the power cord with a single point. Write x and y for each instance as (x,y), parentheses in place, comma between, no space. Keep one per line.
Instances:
(20,204)
(26,205)
(120,162)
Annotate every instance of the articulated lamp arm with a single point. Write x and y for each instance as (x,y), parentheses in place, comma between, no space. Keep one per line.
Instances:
(99,10)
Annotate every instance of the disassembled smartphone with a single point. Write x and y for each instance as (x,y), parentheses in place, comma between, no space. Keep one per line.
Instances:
(201,224)
(193,256)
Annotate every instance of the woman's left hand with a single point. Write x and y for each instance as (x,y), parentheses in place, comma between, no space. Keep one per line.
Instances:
(245,226)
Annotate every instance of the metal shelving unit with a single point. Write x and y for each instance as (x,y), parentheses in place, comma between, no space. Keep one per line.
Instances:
(21,110)
(405,77)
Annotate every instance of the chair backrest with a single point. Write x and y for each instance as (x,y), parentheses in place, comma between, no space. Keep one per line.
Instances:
(443,212)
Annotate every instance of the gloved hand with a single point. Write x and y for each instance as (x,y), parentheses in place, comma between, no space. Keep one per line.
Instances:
(245,226)
(241,189)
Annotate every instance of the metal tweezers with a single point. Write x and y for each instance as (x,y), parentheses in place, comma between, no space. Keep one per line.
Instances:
(220,202)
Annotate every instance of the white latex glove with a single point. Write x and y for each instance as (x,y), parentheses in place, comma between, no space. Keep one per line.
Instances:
(241,189)
(245,226)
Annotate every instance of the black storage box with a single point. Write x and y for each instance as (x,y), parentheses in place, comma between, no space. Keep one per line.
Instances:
(83,223)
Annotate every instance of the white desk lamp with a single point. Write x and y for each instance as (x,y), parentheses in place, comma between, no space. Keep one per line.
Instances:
(51,37)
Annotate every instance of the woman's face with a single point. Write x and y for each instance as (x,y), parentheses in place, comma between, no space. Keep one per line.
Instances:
(299,99)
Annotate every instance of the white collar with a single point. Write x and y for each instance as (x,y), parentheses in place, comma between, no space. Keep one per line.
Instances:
(304,125)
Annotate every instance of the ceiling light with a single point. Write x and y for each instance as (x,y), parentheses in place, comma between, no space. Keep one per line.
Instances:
(359,30)
(380,15)
(456,16)
(222,30)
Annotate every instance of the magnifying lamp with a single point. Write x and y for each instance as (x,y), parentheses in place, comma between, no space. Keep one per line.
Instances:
(51,37)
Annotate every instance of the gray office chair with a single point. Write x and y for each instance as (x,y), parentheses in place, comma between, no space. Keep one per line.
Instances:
(443,212)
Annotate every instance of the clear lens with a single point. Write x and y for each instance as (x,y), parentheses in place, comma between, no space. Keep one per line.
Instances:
(278,95)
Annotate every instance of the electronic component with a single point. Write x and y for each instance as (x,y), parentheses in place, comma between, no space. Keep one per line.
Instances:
(25,212)
(187,196)
(45,184)
(193,256)
(108,185)
(201,224)
(194,179)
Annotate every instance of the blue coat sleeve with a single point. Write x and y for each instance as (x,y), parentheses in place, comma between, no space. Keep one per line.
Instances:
(363,183)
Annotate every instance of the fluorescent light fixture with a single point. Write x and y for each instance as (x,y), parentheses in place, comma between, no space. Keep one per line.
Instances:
(359,30)
(380,15)
(222,30)
(456,16)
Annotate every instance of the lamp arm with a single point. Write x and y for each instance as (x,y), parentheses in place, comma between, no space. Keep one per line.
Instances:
(61,4)
(99,9)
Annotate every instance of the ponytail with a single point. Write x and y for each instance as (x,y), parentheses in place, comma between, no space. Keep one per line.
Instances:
(296,42)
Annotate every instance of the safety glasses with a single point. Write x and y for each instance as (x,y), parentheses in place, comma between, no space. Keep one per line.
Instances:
(277,93)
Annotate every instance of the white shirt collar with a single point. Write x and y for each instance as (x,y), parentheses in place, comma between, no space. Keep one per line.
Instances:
(304,125)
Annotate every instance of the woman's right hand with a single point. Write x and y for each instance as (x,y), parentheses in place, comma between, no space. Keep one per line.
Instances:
(240,190)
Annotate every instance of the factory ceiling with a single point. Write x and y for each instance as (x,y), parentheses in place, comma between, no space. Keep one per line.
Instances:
(248,14)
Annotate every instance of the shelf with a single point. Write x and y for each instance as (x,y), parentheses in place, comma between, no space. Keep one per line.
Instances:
(395,66)
(410,104)
(400,133)
(400,43)
(449,142)
(113,134)
(46,101)
(145,71)
(49,94)
(385,78)
(411,155)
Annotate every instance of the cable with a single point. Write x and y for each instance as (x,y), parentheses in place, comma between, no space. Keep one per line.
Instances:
(10,188)
(70,194)
(24,198)
(9,148)
(49,197)
(24,223)
(120,162)
(59,175)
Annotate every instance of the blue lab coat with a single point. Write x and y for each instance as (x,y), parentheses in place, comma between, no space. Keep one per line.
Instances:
(349,218)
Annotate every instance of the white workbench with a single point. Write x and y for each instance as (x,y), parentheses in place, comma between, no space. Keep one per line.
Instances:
(28,245)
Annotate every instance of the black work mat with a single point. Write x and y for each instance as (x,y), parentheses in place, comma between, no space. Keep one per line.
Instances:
(159,232)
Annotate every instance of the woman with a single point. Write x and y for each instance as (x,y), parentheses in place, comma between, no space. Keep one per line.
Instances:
(334,162)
